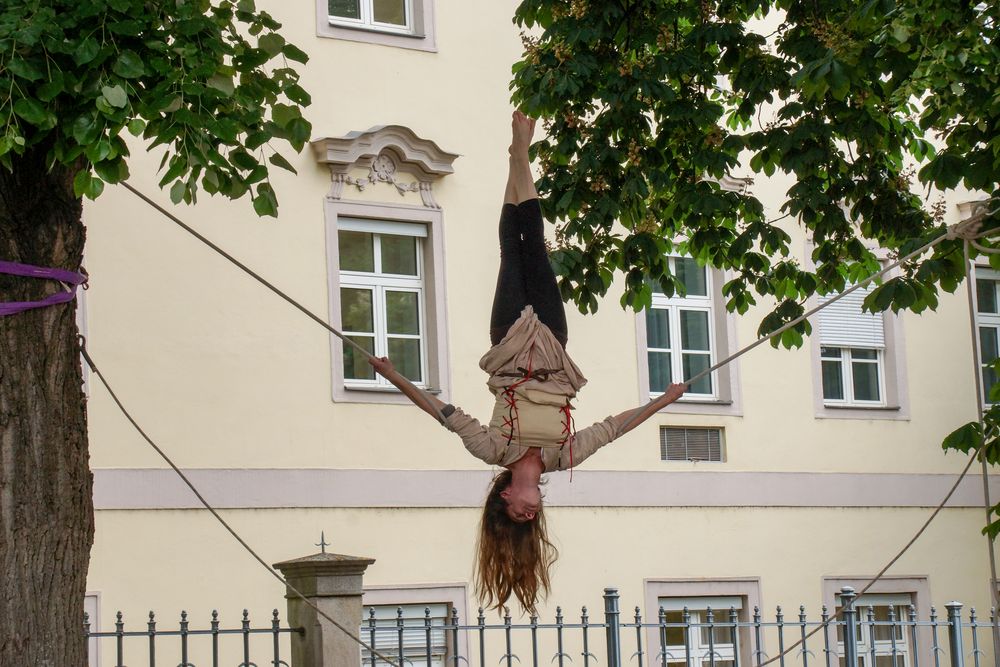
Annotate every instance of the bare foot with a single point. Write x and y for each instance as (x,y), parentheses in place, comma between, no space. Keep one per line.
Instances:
(522,130)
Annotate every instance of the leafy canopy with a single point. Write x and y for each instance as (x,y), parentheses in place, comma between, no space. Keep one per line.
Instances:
(649,104)
(208,80)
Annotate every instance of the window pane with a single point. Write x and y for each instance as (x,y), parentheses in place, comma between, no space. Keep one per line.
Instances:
(356,309)
(658,328)
(986,295)
(694,330)
(989,379)
(830,352)
(659,371)
(718,663)
(390,11)
(405,355)
(865,381)
(348,9)
(833,381)
(723,637)
(692,275)
(988,344)
(356,251)
(857,353)
(888,661)
(356,366)
(694,364)
(675,636)
(402,313)
(399,254)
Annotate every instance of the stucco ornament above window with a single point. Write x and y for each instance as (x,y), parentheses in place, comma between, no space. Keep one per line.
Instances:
(392,154)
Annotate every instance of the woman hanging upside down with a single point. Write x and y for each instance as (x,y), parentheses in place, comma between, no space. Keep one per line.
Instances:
(533,379)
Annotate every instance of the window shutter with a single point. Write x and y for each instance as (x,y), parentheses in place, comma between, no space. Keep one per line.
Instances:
(844,324)
(382,227)
(690,444)
(718,603)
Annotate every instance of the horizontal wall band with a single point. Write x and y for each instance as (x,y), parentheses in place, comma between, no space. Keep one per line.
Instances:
(141,488)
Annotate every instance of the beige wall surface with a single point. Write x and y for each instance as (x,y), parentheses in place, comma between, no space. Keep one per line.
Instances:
(228,378)
(174,560)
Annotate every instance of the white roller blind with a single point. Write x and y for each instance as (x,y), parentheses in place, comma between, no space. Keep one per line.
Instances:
(844,324)
(382,227)
(718,603)
(882,600)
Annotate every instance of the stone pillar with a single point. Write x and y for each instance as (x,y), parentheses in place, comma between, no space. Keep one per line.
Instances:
(333,583)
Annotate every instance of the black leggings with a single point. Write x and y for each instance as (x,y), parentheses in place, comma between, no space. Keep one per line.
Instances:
(526,277)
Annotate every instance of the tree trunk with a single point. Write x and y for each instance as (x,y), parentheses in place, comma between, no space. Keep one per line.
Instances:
(46,505)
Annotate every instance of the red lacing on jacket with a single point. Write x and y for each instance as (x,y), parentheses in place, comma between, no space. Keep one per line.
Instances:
(569,429)
(511,420)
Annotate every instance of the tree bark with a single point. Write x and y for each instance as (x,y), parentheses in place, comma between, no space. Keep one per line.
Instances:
(46,504)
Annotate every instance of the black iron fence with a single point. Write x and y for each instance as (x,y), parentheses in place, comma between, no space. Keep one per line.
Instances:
(214,645)
(884,635)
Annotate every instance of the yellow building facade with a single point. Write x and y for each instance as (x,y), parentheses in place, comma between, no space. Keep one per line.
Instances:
(762,490)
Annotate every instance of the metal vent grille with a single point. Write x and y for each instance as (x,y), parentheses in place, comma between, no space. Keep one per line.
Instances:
(690,444)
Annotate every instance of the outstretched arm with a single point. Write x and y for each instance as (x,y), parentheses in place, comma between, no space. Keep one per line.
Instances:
(644,412)
(421,399)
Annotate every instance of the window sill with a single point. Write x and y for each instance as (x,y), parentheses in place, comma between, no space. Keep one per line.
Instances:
(375,30)
(387,390)
(873,408)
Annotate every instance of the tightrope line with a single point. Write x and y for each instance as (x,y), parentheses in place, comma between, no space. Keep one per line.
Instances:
(967,230)
(214,512)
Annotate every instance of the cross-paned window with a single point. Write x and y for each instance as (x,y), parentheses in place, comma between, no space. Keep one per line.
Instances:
(679,332)
(382,298)
(988,323)
(707,639)
(387,15)
(881,630)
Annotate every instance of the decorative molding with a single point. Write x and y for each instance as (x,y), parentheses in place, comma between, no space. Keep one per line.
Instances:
(157,488)
(735,184)
(385,151)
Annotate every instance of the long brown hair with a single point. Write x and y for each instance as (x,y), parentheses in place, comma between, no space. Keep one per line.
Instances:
(512,558)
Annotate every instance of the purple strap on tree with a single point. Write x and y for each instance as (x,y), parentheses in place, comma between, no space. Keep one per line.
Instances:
(70,278)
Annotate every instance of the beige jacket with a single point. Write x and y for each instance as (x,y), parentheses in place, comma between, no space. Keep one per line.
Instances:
(555,379)
(490,445)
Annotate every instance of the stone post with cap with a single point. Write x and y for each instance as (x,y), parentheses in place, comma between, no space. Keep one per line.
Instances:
(332,582)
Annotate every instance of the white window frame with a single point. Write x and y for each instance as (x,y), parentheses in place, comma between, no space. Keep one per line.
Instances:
(900,602)
(367,18)
(379,283)
(712,591)
(452,595)
(418,34)
(985,320)
(92,606)
(700,649)
(725,397)
(436,372)
(846,360)
(895,403)
(688,303)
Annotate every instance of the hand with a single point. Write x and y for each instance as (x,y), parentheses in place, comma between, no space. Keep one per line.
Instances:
(382,366)
(675,391)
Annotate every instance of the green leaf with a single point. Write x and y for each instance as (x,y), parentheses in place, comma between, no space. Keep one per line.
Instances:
(136,126)
(31,111)
(965,438)
(265,203)
(115,96)
(86,51)
(129,65)
(222,83)
(271,43)
(278,160)
(85,185)
(283,114)
(24,69)
(293,52)
(177,191)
